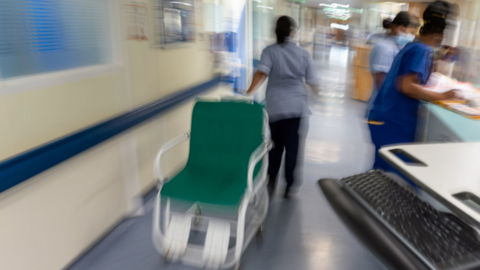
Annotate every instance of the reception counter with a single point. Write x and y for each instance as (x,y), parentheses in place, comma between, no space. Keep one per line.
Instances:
(442,125)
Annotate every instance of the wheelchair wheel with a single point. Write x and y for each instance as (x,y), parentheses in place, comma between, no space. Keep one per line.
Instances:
(166,261)
(259,235)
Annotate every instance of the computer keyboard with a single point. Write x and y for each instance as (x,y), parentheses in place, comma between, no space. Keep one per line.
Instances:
(440,239)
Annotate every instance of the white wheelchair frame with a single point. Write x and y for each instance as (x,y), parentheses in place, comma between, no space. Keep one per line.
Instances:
(219,256)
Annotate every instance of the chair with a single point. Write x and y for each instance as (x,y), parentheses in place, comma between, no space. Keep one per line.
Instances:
(225,173)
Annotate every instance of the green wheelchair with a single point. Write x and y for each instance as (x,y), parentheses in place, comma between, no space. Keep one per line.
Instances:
(217,204)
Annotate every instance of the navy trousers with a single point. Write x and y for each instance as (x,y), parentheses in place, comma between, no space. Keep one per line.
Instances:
(286,137)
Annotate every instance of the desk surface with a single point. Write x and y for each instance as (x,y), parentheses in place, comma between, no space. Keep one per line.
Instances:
(451,168)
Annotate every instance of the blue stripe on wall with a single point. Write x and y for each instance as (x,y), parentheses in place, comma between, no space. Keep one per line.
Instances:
(15,170)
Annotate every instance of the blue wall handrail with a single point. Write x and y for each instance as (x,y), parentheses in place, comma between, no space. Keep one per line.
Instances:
(17,169)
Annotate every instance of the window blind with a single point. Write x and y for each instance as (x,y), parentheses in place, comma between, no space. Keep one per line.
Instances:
(38,36)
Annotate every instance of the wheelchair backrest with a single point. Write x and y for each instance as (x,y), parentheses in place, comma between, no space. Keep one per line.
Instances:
(224,135)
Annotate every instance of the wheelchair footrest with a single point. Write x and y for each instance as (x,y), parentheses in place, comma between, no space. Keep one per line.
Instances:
(176,237)
(216,244)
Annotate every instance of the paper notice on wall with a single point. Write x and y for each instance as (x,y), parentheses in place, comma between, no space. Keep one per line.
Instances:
(137,20)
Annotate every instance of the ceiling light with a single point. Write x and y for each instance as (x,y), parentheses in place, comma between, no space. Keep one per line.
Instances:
(265,7)
(339,26)
(396,3)
(334,5)
(181,3)
(336,10)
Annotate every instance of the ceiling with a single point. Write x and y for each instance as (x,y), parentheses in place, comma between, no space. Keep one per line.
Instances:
(352,3)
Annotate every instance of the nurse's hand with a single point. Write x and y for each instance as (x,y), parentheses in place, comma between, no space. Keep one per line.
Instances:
(243,92)
(411,88)
(459,95)
(452,94)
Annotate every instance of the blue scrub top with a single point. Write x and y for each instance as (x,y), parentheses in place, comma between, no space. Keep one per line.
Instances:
(390,104)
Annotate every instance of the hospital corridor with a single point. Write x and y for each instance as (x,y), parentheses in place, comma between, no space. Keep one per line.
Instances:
(239,134)
(301,233)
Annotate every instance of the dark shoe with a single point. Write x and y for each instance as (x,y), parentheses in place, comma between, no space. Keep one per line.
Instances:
(272,181)
(287,194)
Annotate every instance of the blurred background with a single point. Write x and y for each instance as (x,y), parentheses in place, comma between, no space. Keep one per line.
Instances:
(91,89)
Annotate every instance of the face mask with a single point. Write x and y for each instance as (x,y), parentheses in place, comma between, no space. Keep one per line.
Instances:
(403,39)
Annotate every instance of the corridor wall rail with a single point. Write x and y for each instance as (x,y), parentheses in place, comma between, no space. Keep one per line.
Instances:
(15,170)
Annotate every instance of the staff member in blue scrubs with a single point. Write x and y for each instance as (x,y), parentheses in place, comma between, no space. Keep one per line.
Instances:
(393,118)
(387,47)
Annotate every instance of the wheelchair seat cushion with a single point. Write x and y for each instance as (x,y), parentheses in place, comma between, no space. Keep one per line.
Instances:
(223,137)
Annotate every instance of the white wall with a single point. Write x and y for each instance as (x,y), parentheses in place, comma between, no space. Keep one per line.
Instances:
(56,215)
(49,220)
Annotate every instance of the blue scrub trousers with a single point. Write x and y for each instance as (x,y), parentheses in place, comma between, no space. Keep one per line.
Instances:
(371,101)
(387,134)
